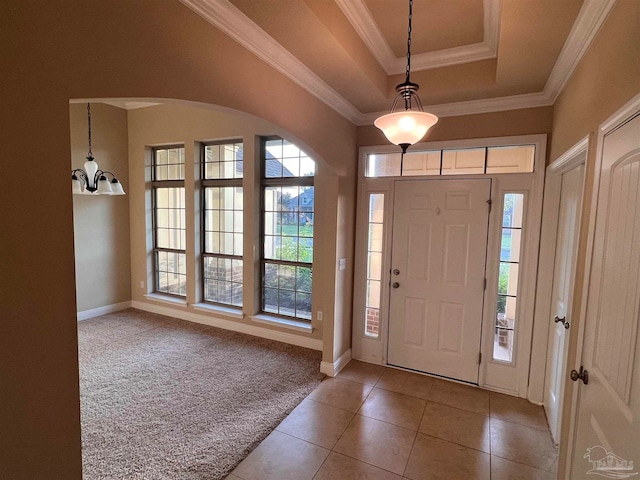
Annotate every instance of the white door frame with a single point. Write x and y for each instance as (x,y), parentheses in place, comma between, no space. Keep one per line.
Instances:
(511,378)
(572,158)
(567,443)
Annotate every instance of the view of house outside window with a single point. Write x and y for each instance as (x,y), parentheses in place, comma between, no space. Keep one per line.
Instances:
(288,227)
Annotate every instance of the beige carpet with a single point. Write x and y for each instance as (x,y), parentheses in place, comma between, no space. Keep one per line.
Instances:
(166,399)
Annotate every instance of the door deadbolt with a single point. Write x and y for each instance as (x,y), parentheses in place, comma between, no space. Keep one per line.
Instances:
(396,271)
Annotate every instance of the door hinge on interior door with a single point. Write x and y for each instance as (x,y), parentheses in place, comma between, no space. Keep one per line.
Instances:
(484,287)
(479,358)
(489,202)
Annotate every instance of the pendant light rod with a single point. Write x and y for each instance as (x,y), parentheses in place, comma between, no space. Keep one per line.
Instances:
(404,128)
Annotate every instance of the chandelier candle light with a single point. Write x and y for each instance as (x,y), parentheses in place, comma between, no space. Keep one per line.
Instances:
(408,126)
(92,180)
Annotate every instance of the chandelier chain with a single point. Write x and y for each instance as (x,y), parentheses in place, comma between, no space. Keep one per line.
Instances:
(89,123)
(409,41)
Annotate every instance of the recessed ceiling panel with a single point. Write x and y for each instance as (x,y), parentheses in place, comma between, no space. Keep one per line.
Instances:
(436,25)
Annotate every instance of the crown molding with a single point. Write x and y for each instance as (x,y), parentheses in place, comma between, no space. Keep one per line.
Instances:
(227,18)
(230,20)
(362,21)
(587,25)
(472,107)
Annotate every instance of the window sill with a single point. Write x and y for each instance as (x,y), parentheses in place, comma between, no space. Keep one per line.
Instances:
(157,297)
(218,309)
(298,325)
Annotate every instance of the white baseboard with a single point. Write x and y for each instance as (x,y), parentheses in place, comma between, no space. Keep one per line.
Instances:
(332,369)
(96,312)
(213,321)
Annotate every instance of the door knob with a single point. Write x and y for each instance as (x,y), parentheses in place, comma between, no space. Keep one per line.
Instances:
(395,284)
(562,320)
(581,375)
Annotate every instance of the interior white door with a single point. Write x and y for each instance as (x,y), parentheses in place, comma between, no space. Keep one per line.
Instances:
(607,436)
(562,294)
(437,276)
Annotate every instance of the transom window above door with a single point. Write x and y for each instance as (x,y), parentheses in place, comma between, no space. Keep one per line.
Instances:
(462,161)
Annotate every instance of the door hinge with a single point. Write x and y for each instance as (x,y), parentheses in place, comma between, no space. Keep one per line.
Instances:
(484,287)
(489,202)
(479,358)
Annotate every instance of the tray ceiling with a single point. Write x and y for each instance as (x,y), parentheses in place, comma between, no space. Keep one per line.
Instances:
(468,56)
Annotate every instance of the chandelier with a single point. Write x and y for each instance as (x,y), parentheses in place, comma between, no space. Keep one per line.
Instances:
(408,126)
(92,180)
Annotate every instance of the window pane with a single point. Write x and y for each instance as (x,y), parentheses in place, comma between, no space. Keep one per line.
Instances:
(508,284)
(171,273)
(510,159)
(508,276)
(503,345)
(287,226)
(285,160)
(461,162)
(376,207)
(303,279)
(374,264)
(383,165)
(375,237)
(421,163)
(223,222)
(170,218)
(223,280)
(510,244)
(223,161)
(372,322)
(513,210)
(168,163)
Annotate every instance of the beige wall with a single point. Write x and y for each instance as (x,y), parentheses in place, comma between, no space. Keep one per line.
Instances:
(191,124)
(101,223)
(118,48)
(99,49)
(607,77)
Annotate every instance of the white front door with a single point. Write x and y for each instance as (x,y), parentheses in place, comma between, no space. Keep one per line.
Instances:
(437,276)
(562,294)
(607,436)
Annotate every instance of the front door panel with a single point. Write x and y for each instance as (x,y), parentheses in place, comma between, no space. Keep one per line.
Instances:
(437,280)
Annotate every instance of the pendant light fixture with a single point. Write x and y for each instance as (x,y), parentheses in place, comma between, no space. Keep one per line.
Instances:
(92,180)
(408,126)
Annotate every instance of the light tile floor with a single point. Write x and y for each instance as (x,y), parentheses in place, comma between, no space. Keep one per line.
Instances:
(374,422)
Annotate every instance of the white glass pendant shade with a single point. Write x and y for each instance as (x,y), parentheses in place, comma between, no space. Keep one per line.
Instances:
(104,187)
(116,188)
(91,167)
(76,186)
(406,127)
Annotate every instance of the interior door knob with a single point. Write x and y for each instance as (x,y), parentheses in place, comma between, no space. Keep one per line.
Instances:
(581,375)
(562,320)
(395,284)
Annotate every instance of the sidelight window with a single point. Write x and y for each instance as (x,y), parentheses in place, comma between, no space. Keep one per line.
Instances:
(509,269)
